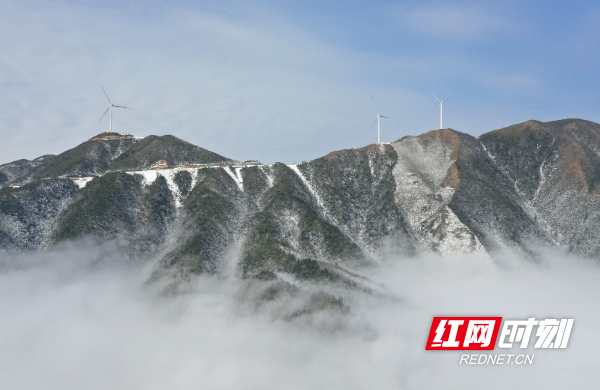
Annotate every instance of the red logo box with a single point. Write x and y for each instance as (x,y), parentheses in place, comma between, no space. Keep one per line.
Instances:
(463,333)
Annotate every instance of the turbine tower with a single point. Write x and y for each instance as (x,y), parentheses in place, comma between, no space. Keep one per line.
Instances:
(109,108)
(376,119)
(441,104)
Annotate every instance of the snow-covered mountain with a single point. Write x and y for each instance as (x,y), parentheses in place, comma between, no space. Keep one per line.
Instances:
(443,191)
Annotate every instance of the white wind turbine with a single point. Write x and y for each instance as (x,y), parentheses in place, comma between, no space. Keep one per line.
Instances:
(376,119)
(441,104)
(110,108)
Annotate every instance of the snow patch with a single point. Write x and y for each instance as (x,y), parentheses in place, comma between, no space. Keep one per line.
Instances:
(457,238)
(82,181)
(311,189)
(169,175)
(542,180)
(149,176)
(237,176)
(270,178)
(194,173)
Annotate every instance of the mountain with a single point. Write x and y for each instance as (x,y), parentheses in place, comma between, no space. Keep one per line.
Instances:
(443,191)
(91,158)
(105,152)
(554,168)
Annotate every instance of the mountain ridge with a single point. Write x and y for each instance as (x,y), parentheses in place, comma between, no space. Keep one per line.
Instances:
(443,191)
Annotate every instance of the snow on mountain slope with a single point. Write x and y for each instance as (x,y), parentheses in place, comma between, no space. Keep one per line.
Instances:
(425,183)
(443,191)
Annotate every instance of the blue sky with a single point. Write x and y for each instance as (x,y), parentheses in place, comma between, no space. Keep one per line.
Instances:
(289,80)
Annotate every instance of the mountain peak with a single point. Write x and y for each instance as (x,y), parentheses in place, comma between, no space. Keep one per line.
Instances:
(172,150)
(111,136)
(448,135)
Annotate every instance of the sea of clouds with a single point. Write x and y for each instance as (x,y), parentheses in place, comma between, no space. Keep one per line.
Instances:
(85,317)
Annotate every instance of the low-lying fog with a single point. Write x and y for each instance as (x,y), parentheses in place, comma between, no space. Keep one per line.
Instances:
(85,318)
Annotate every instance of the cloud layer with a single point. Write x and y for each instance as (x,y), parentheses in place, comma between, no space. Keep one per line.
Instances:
(84,318)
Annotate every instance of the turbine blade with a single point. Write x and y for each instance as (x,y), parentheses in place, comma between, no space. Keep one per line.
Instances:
(104,113)
(436,98)
(105,94)
(371,128)
(376,110)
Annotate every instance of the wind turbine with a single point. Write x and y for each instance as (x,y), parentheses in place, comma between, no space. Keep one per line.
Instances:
(376,119)
(109,108)
(441,104)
